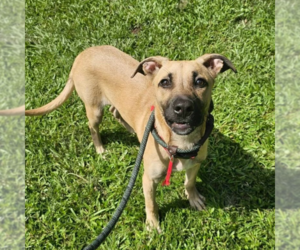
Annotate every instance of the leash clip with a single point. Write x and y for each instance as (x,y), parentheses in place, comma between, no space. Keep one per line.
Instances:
(172,150)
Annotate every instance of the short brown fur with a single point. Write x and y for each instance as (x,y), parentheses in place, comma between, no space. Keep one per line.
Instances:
(106,76)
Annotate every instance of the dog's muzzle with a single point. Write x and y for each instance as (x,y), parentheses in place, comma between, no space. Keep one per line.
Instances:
(183,114)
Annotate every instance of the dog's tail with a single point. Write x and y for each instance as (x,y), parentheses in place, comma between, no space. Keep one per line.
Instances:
(57,102)
(15,111)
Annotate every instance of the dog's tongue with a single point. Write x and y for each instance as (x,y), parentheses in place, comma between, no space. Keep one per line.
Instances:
(180,125)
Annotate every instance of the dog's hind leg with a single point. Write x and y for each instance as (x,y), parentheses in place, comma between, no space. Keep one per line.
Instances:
(94,115)
(119,118)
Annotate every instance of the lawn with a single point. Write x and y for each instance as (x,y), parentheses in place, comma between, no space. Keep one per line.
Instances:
(71,192)
(287,125)
(12,129)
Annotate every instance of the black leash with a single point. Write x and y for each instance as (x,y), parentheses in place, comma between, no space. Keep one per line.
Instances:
(105,232)
(179,153)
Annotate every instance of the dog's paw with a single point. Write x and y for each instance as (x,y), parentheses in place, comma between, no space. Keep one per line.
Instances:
(152,228)
(153,224)
(196,200)
(100,150)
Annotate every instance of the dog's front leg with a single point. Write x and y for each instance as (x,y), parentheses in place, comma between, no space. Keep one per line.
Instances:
(196,200)
(149,188)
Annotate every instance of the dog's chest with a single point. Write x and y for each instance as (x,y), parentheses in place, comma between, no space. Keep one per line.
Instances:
(183,164)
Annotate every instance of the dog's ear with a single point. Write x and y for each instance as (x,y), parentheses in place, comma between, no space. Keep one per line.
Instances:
(216,63)
(150,66)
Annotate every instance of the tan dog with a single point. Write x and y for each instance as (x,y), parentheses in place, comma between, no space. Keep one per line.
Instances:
(179,90)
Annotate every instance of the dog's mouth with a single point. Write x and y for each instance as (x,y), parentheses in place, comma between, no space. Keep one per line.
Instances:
(181,128)
(183,114)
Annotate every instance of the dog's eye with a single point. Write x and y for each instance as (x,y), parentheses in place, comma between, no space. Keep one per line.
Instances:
(200,83)
(165,83)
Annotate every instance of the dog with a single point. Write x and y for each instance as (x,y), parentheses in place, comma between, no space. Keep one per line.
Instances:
(180,92)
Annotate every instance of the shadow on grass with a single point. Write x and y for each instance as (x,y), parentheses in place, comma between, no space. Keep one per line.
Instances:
(287,187)
(231,177)
(119,134)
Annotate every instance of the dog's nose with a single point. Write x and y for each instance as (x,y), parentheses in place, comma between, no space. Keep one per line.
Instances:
(183,106)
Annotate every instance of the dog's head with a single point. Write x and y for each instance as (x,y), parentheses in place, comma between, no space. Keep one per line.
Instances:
(183,88)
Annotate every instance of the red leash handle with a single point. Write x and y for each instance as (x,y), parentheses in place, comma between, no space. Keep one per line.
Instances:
(170,167)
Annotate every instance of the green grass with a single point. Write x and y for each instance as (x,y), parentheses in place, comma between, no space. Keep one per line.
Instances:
(71,192)
(12,129)
(287,126)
